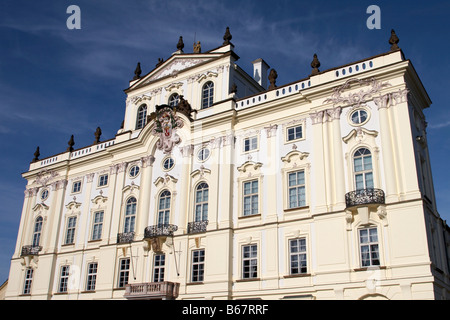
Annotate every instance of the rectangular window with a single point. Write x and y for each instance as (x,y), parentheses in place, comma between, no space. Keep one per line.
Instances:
(97,226)
(158,267)
(296,189)
(297,254)
(76,186)
(28,281)
(198,265)
(70,232)
(124,272)
(63,279)
(91,276)
(368,242)
(250,261)
(294,133)
(250,197)
(103,180)
(250,144)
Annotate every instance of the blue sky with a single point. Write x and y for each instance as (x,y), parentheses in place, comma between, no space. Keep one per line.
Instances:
(55,82)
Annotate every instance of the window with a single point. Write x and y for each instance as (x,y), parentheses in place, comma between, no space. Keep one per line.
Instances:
(134,171)
(207,95)
(294,133)
(297,256)
(362,166)
(103,180)
(63,279)
(250,197)
(44,194)
(174,100)
(249,261)
(359,117)
(37,231)
(124,272)
(76,186)
(91,276)
(130,215)
(97,226)
(198,265)
(168,163)
(141,116)
(250,144)
(164,208)
(201,202)
(297,197)
(28,281)
(368,242)
(203,154)
(70,232)
(158,267)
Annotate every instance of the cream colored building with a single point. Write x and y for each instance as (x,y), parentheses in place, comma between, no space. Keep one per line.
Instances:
(223,185)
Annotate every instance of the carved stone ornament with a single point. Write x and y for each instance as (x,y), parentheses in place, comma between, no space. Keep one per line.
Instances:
(359,97)
(315,64)
(166,124)
(273,75)
(137,72)
(44,177)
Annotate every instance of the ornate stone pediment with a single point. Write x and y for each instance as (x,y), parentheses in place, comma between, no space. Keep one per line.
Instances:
(172,68)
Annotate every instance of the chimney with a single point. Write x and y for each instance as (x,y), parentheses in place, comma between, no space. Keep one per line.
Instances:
(260,68)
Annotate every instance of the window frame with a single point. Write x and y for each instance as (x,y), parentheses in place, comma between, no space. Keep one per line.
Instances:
(44,194)
(64,274)
(28,281)
(96,234)
(364,172)
(71,227)
(295,139)
(167,159)
(76,183)
(251,274)
(129,221)
(369,244)
(132,171)
(165,212)
(297,186)
(37,231)
(250,140)
(250,196)
(159,267)
(208,100)
(91,277)
(124,272)
(101,182)
(358,110)
(171,99)
(298,254)
(141,116)
(198,265)
(202,203)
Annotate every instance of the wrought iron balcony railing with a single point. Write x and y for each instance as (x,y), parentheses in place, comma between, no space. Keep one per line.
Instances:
(30,250)
(364,197)
(160,230)
(152,290)
(197,226)
(125,237)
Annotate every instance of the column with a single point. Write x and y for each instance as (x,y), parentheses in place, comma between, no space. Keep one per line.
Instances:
(143,209)
(318,184)
(339,176)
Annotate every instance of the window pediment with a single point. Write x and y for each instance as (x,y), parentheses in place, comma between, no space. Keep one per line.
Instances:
(249,166)
(294,156)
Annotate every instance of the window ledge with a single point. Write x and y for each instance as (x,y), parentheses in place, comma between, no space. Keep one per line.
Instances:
(369,268)
(194,283)
(300,275)
(250,216)
(248,280)
(295,209)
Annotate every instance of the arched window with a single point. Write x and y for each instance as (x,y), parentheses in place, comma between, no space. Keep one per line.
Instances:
(164,208)
(362,168)
(201,202)
(37,231)
(141,117)
(130,215)
(207,95)
(174,100)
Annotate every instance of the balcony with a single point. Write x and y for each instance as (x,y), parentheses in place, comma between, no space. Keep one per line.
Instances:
(126,237)
(364,197)
(197,226)
(152,290)
(30,250)
(160,230)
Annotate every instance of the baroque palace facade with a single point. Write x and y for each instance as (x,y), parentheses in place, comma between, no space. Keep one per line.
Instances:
(222,185)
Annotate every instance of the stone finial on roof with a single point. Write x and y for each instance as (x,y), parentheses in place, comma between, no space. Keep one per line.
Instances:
(315,64)
(227,37)
(180,44)
(137,72)
(393,40)
(233,88)
(36,154)
(160,62)
(97,134)
(71,143)
(197,47)
(273,75)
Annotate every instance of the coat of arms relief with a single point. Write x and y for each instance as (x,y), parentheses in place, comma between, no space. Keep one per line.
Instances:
(165,127)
